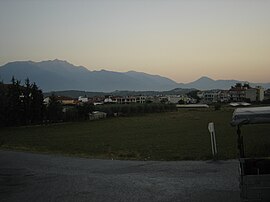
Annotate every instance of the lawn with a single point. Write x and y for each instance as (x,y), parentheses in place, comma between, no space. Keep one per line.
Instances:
(181,135)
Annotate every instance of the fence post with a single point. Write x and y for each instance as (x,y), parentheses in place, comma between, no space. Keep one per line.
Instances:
(211,129)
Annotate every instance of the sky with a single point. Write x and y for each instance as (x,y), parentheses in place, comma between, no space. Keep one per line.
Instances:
(182,40)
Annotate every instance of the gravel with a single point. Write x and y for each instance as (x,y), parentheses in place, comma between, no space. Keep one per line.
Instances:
(37,177)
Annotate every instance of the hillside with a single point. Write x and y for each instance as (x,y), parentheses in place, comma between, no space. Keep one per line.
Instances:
(58,75)
(76,94)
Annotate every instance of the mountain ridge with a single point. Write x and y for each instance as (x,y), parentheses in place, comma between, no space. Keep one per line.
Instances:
(60,75)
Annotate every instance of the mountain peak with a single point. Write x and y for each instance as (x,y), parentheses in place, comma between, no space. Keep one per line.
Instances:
(57,61)
(205,78)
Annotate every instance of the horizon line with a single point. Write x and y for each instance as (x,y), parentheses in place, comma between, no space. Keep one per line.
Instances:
(132,70)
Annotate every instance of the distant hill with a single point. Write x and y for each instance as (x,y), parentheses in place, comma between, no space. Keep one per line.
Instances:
(206,83)
(76,94)
(58,75)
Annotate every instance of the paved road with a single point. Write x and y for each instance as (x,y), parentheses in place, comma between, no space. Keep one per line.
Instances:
(36,177)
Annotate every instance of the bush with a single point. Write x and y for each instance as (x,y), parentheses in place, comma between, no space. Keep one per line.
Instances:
(132,109)
(217,106)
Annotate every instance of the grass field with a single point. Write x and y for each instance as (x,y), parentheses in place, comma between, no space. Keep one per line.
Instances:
(181,135)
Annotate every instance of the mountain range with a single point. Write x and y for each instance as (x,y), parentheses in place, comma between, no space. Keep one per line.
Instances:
(59,75)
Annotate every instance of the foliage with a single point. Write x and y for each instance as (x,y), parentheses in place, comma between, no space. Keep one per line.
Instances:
(181,102)
(84,110)
(54,110)
(193,94)
(217,106)
(133,109)
(78,113)
(20,104)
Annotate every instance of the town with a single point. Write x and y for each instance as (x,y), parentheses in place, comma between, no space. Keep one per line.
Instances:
(236,94)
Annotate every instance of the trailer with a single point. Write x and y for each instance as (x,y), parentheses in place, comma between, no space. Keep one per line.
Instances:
(254,173)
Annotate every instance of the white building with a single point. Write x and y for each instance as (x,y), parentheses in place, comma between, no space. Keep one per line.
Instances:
(260,93)
(126,100)
(210,96)
(83,99)
(251,94)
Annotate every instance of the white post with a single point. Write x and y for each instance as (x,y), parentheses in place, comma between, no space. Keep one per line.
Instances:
(211,129)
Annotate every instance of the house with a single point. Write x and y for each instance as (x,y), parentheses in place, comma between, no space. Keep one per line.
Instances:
(267,94)
(97,100)
(46,100)
(83,99)
(260,93)
(153,99)
(223,96)
(251,94)
(125,100)
(242,93)
(162,99)
(174,99)
(140,99)
(238,93)
(210,96)
(108,100)
(64,100)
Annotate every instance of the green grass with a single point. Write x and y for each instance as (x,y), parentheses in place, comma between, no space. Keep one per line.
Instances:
(181,135)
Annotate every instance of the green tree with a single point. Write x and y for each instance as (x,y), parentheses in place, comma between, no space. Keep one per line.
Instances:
(37,106)
(20,104)
(54,111)
(3,104)
(14,114)
(194,94)
(84,110)
(181,102)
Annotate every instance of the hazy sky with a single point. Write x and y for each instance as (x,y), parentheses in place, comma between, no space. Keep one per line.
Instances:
(182,40)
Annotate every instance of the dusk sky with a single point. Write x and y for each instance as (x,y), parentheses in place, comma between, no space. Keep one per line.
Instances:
(182,40)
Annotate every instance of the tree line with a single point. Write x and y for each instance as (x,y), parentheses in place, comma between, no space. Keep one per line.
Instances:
(134,109)
(20,104)
(23,104)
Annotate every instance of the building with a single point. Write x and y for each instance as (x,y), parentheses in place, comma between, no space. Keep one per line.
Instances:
(174,99)
(237,94)
(64,100)
(140,99)
(210,96)
(260,93)
(46,100)
(267,94)
(126,99)
(244,93)
(251,94)
(83,99)
(223,96)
